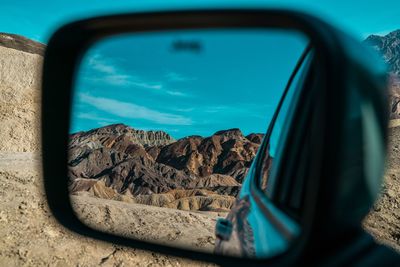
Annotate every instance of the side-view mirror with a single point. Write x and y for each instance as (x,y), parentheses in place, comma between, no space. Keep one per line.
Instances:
(228,136)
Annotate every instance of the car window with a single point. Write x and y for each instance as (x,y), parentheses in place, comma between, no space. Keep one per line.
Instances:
(274,145)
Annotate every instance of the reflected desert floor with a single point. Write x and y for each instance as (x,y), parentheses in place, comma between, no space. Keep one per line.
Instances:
(180,228)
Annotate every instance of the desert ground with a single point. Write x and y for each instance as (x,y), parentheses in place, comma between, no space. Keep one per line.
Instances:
(31,236)
(383,222)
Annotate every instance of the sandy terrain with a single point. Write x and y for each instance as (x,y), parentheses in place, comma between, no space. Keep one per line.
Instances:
(31,237)
(383,222)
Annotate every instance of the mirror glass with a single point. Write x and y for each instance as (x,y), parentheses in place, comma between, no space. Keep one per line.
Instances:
(165,129)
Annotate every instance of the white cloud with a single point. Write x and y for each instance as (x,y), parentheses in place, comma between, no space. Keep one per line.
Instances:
(156,86)
(93,117)
(113,75)
(176,93)
(133,111)
(98,119)
(116,79)
(245,109)
(183,109)
(97,63)
(108,72)
(177,77)
(215,109)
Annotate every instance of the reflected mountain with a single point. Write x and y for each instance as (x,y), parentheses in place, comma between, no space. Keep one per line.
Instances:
(150,167)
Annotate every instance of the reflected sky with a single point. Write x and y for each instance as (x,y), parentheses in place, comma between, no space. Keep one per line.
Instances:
(186,82)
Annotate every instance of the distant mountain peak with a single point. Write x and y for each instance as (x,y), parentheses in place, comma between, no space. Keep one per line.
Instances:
(227,131)
(389,46)
(234,133)
(395,33)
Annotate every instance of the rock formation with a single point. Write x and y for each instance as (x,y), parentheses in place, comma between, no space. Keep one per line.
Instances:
(119,162)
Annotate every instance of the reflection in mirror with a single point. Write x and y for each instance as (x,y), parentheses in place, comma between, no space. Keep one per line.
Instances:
(164,129)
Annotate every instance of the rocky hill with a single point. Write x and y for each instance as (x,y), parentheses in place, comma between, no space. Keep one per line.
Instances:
(389,47)
(226,152)
(119,162)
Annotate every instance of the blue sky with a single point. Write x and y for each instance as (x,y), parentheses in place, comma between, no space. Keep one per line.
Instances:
(234,81)
(37,19)
(172,92)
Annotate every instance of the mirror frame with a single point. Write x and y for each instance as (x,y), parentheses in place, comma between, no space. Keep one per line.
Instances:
(62,57)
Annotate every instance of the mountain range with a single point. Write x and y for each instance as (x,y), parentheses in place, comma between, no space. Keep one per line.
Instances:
(117,160)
